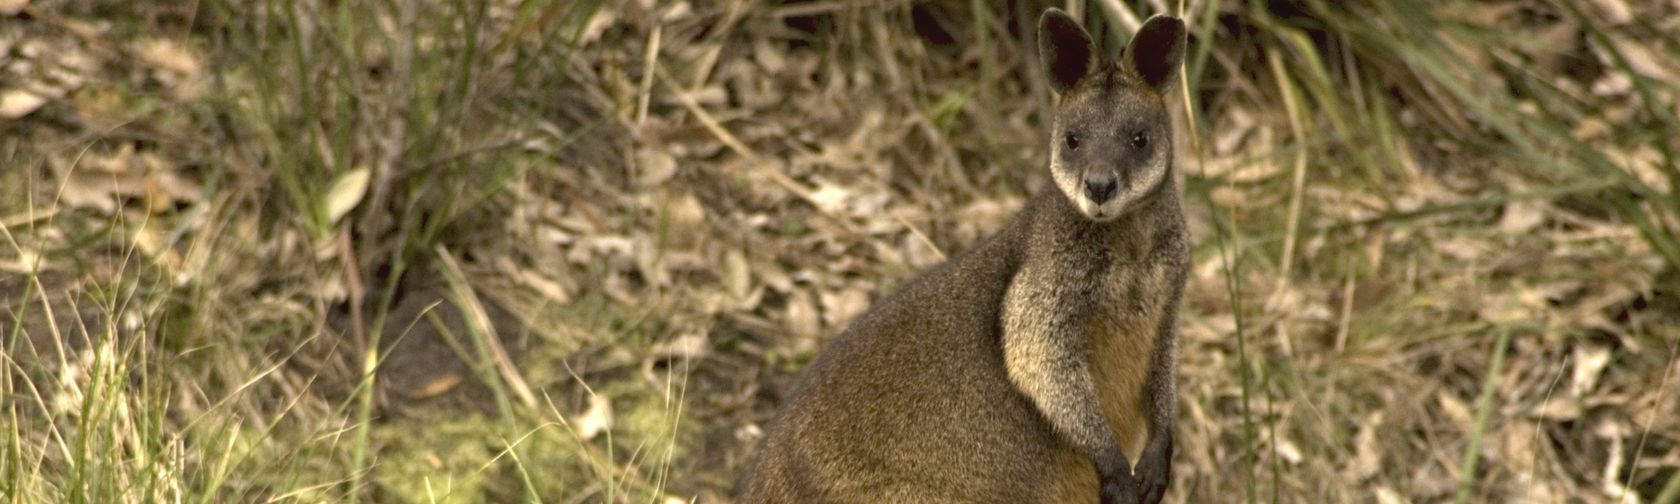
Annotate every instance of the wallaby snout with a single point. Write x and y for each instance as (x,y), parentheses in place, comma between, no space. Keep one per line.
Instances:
(1100,188)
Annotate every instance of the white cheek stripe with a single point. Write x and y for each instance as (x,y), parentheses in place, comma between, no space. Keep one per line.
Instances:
(1067,181)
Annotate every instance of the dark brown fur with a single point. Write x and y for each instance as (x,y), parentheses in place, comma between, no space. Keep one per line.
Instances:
(1038,365)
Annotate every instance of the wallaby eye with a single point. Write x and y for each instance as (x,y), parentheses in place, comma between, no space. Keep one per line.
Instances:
(1140,140)
(1072,141)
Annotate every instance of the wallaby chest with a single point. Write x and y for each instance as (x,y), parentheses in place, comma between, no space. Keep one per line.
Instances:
(1125,273)
(1121,334)
(1131,279)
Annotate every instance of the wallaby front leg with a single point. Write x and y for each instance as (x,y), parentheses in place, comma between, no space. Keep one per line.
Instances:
(1045,351)
(1154,465)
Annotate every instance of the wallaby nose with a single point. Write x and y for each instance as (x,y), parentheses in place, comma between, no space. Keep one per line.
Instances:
(1099,188)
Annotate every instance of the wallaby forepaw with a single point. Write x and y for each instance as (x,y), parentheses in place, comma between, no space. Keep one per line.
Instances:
(1154,472)
(1121,489)
(1152,479)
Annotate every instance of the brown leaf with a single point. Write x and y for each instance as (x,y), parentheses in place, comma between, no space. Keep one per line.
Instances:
(1456,410)
(654,167)
(1558,407)
(1615,11)
(16,103)
(597,419)
(1367,454)
(687,346)
(802,316)
(842,306)
(346,192)
(1590,361)
(737,276)
(12,7)
(437,386)
(1522,216)
(168,55)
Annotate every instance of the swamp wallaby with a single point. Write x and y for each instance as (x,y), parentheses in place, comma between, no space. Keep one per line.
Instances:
(1037,366)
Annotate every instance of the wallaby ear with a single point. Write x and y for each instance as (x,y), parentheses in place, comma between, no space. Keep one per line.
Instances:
(1156,51)
(1064,49)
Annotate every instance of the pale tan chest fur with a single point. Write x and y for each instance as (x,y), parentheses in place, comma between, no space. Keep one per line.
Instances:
(1122,337)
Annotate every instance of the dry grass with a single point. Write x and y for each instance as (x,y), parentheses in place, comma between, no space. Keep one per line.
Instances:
(563,251)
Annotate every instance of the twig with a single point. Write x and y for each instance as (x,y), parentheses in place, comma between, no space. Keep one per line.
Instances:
(918,233)
(741,149)
(482,328)
(1119,13)
(648,71)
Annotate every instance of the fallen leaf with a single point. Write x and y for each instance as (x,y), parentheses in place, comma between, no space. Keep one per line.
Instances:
(1463,248)
(749,433)
(1228,197)
(152,242)
(688,220)
(597,419)
(603,19)
(687,346)
(1639,57)
(1522,216)
(1288,450)
(88,190)
(1367,459)
(12,7)
(1387,495)
(769,56)
(654,167)
(1517,443)
(16,103)
(676,12)
(549,290)
(737,275)
(168,55)
(1615,11)
(1456,410)
(1558,408)
(1590,361)
(346,192)
(831,198)
(438,386)
(802,318)
(842,306)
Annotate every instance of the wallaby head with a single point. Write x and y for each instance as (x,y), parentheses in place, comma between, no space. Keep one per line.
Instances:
(1110,142)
